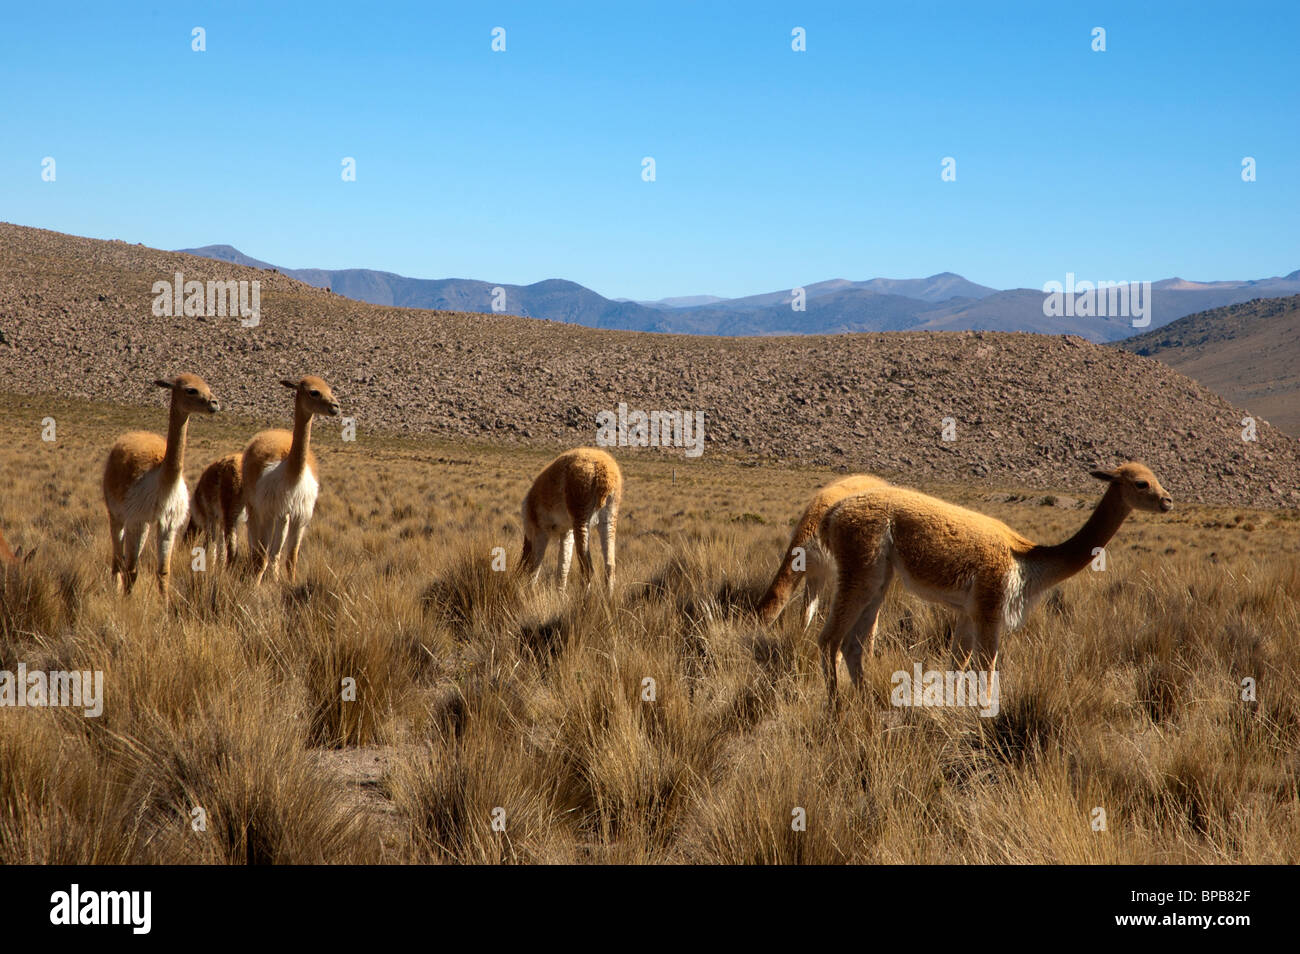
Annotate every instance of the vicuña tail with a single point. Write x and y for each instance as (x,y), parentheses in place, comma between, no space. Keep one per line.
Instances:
(788,577)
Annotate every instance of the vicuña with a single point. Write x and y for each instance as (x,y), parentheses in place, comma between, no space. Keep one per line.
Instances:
(578,487)
(143,486)
(957,557)
(218,507)
(282,479)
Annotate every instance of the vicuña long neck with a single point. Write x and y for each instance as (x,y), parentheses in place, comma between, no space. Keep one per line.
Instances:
(296,462)
(1063,560)
(178,423)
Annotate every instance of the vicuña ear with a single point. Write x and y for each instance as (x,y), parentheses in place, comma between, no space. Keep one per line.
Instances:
(292,386)
(1103,475)
(162,384)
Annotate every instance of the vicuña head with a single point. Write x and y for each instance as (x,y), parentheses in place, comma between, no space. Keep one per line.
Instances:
(578,487)
(1138,487)
(312,396)
(143,486)
(281,480)
(947,554)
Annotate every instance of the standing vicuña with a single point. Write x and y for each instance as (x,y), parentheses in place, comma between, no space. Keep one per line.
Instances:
(815,573)
(143,485)
(950,555)
(281,480)
(218,507)
(576,488)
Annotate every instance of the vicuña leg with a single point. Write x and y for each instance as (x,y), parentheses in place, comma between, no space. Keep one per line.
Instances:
(231,542)
(534,551)
(985,657)
(297,528)
(214,541)
(606,522)
(582,542)
(119,551)
(275,546)
(850,600)
(166,538)
(133,545)
(988,623)
(964,641)
(258,543)
(864,628)
(565,561)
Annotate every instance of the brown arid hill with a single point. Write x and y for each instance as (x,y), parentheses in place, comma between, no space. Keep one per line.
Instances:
(1030,411)
(1249,353)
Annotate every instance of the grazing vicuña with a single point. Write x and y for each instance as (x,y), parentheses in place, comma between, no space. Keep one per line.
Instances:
(576,488)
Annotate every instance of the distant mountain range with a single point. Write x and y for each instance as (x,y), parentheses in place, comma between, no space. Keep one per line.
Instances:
(943,302)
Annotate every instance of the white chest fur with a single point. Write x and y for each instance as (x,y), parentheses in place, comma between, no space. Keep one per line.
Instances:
(1020,595)
(277,494)
(148,502)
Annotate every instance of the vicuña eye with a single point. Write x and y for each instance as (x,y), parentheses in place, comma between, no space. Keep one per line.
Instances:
(192,390)
(1142,485)
(315,394)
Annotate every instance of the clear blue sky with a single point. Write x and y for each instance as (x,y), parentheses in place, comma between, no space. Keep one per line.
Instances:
(774,168)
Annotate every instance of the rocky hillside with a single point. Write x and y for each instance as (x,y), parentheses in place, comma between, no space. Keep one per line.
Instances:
(1028,410)
(1249,353)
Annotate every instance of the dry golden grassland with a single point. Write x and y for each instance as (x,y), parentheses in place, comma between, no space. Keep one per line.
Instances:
(1123,691)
